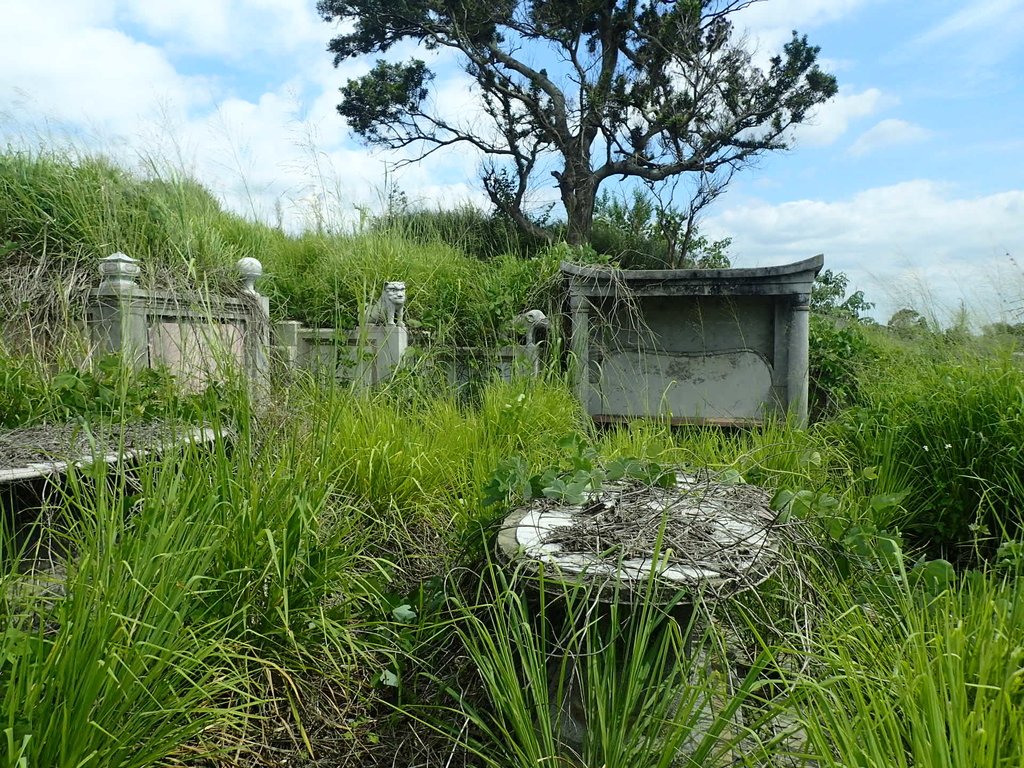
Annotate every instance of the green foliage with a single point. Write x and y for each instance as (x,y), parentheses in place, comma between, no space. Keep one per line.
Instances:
(285,547)
(310,563)
(107,391)
(377,100)
(314,561)
(1007,334)
(459,300)
(951,430)
(643,234)
(828,297)
(838,357)
(618,111)
(840,347)
(908,324)
(512,482)
(472,231)
(60,213)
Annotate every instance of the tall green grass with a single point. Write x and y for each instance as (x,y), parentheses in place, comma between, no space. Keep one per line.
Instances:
(112,664)
(459,300)
(32,393)
(70,207)
(214,596)
(560,674)
(208,590)
(923,680)
(946,432)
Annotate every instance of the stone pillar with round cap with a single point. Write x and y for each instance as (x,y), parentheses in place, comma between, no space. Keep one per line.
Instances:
(257,331)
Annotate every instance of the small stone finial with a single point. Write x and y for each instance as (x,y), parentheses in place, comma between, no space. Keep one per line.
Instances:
(118,272)
(250,270)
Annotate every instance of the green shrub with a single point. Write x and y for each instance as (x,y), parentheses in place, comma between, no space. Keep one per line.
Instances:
(953,431)
(105,391)
(838,355)
(841,344)
(460,301)
(644,233)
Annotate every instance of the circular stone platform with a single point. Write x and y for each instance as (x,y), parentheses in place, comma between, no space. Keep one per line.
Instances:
(703,534)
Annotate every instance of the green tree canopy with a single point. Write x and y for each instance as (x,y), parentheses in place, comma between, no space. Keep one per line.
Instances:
(828,297)
(908,323)
(596,89)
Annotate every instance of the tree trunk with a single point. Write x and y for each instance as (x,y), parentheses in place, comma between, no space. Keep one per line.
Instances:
(578,190)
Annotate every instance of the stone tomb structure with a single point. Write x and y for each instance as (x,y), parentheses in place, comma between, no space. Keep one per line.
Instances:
(719,346)
(199,338)
(682,544)
(701,534)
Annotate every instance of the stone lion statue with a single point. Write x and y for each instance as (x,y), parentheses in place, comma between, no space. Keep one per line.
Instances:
(533,319)
(390,307)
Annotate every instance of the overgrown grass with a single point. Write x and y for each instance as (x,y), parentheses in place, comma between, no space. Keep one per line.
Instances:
(107,658)
(61,213)
(271,596)
(946,433)
(270,569)
(73,207)
(259,571)
(922,679)
(323,281)
(567,676)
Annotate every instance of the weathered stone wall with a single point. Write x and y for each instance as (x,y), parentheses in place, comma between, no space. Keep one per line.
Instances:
(711,346)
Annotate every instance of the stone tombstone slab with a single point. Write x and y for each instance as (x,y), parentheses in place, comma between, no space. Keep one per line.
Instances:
(195,352)
(721,346)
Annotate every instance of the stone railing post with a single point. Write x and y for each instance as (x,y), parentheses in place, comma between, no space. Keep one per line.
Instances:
(117,313)
(579,345)
(798,378)
(257,331)
(286,336)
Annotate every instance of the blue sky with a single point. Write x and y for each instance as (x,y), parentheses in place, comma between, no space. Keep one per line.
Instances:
(911,180)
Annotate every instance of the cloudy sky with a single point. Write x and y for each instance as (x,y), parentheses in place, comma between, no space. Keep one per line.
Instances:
(911,180)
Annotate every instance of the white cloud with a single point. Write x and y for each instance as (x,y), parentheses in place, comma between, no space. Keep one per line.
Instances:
(896,243)
(230,29)
(887,133)
(977,38)
(769,25)
(977,17)
(67,70)
(79,78)
(797,13)
(831,120)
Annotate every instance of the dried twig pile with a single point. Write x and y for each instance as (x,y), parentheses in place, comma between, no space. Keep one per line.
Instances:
(702,532)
